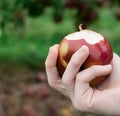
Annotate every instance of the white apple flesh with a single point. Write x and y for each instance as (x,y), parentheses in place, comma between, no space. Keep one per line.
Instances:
(100,51)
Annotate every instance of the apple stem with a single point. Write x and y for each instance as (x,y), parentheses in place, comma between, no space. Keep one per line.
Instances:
(80,27)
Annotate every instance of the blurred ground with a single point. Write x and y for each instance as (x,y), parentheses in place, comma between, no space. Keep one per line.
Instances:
(19,95)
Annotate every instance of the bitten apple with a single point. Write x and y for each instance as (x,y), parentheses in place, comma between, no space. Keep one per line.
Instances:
(100,51)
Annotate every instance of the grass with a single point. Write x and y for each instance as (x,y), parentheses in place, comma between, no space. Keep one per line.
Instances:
(42,32)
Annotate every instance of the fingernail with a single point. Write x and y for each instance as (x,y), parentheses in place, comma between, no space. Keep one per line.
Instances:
(56,45)
(83,48)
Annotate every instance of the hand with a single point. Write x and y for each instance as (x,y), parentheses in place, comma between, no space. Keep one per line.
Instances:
(104,99)
(113,80)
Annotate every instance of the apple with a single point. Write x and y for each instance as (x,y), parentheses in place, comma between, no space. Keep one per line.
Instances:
(100,51)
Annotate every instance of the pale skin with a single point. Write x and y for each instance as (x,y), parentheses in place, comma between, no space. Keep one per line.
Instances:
(104,99)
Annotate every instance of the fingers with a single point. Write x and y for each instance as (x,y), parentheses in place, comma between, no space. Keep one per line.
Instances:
(116,62)
(74,65)
(83,93)
(67,81)
(50,66)
(114,79)
(84,77)
(94,71)
(73,83)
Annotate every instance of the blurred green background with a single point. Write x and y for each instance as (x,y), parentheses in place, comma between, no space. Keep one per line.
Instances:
(25,35)
(29,27)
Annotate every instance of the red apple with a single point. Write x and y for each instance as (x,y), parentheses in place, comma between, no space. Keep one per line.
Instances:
(100,51)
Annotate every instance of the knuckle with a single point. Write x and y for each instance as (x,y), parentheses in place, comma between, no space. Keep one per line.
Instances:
(78,78)
(65,81)
(93,67)
(47,64)
(74,62)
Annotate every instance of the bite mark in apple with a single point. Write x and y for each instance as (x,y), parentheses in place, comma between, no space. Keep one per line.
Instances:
(88,35)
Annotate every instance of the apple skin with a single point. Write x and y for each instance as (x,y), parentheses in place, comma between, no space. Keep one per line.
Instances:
(99,54)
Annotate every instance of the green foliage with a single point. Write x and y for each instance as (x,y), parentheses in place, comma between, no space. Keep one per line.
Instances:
(29,27)
(31,50)
(16,11)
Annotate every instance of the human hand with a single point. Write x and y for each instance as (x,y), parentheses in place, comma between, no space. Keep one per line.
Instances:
(113,79)
(104,99)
